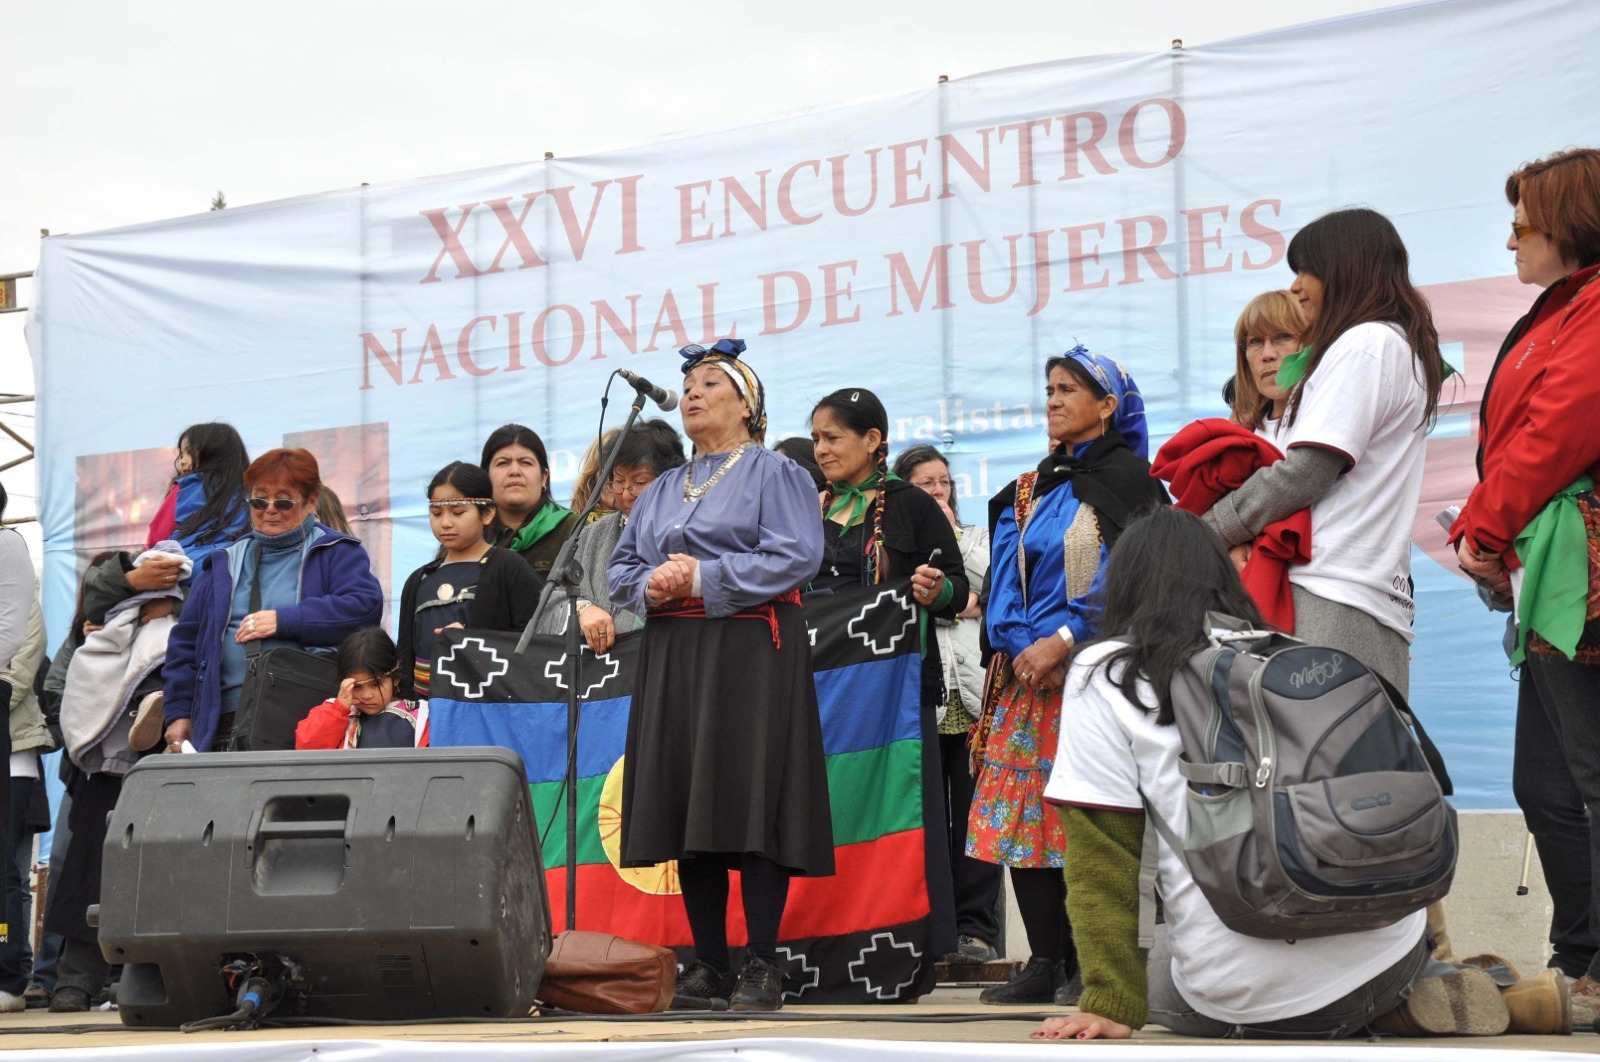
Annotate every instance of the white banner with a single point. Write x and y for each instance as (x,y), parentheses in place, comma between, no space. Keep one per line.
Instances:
(935,247)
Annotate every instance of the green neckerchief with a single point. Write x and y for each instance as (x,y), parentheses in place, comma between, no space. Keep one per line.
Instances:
(547,519)
(854,498)
(1292,369)
(1554,549)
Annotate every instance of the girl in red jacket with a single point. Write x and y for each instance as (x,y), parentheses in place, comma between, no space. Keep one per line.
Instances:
(365,713)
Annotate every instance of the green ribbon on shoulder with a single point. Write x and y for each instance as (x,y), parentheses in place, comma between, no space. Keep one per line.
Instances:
(546,520)
(851,498)
(1292,369)
(1554,549)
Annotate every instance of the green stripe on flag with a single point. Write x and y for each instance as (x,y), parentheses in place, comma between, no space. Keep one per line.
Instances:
(875,792)
(546,797)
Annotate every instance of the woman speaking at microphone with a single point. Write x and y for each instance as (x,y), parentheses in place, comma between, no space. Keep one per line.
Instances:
(724,751)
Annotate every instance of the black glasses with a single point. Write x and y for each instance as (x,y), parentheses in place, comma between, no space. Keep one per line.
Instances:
(261,505)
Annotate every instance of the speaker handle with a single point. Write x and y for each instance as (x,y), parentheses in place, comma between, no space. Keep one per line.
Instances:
(269,831)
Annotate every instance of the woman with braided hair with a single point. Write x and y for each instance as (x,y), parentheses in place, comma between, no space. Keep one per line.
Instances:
(1050,531)
(879,528)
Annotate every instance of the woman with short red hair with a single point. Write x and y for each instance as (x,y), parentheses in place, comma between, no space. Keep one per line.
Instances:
(290,582)
(1534,520)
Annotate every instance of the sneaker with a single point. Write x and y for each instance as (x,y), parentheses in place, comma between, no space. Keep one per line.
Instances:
(1069,994)
(702,987)
(150,722)
(1585,994)
(1465,1002)
(11,1003)
(68,1000)
(1540,1006)
(760,986)
(36,995)
(971,950)
(1036,982)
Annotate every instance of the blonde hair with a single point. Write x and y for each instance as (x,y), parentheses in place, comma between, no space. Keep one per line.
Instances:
(589,473)
(1269,312)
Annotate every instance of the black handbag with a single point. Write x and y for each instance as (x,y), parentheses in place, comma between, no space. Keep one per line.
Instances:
(281,686)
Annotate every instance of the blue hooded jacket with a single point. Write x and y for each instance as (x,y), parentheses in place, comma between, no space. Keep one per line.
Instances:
(338,596)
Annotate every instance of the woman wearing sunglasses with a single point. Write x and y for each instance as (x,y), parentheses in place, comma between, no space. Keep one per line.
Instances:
(1533,520)
(290,582)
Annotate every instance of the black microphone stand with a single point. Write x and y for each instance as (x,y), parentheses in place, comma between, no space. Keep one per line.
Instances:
(567,573)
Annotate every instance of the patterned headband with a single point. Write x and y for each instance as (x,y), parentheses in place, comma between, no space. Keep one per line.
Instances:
(724,354)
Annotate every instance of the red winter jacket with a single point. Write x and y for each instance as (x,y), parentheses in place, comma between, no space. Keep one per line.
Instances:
(1540,418)
(1210,458)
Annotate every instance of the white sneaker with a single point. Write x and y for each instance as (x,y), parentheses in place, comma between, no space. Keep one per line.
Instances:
(10,1003)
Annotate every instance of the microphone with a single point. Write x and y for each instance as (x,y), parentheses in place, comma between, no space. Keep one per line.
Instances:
(667,400)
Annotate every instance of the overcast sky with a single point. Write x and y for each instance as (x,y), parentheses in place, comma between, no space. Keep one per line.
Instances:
(114,113)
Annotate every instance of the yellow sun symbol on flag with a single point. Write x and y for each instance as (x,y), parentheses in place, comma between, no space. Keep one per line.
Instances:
(659,880)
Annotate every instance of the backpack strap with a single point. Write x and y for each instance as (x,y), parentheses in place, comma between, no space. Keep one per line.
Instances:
(1233,775)
(1149,867)
(1430,751)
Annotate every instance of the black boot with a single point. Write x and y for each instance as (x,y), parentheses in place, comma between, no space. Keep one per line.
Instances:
(1036,982)
(760,987)
(702,987)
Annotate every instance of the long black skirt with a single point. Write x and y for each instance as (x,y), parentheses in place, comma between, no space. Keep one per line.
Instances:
(724,750)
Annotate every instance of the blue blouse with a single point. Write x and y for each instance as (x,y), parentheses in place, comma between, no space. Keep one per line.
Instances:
(1013,625)
(756,534)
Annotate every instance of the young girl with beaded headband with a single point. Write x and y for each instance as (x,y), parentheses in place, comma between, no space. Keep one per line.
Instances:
(469,584)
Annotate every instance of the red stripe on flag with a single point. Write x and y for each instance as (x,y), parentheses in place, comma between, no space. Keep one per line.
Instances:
(878,883)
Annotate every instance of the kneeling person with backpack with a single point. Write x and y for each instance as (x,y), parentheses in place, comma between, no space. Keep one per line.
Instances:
(1274,796)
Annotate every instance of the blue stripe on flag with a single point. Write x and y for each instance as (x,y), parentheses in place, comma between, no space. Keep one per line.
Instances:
(848,726)
(537,732)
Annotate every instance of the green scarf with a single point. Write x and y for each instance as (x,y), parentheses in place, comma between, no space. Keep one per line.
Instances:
(1292,369)
(1554,549)
(854,498)
(545,520)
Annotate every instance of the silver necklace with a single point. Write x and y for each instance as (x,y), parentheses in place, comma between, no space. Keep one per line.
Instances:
(693,493)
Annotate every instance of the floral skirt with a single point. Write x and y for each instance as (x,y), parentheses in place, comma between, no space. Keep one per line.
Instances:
(1010,823)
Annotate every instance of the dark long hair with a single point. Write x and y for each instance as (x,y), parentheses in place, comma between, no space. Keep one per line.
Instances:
(860,410)
(1166,572)
(518,435)
(369,650)
(75,635)
(1358,256)
(219,457)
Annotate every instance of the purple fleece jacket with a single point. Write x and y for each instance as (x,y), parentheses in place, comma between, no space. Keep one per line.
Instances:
(338,595)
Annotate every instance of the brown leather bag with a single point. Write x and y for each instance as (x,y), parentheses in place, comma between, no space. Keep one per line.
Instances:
(597,973)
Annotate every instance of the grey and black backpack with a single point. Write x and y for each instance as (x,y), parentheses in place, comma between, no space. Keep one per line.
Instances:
(1312,808)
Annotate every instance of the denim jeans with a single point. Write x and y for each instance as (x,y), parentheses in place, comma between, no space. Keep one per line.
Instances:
(1347,1016)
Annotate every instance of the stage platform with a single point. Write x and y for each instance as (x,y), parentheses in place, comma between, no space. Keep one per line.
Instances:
(802,1034)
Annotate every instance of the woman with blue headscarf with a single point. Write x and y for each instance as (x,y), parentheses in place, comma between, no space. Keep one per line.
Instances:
(1050,530)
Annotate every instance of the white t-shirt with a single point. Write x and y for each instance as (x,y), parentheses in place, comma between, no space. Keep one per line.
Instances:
(1110,752)
(1366,400)
(24,765)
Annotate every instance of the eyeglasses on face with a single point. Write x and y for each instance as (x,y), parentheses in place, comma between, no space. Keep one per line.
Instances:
(1286,341)
(1521,231)
(283,505)
(634,487)
(929,484)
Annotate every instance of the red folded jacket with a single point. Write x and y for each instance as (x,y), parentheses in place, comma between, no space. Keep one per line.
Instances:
(1210,458)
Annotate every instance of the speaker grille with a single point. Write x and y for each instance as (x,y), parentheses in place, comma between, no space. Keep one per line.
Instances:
(398,978)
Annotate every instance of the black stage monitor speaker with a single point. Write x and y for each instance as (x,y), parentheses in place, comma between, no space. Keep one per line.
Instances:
(370,885)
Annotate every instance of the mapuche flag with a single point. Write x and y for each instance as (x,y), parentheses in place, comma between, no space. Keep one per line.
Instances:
(862,935)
